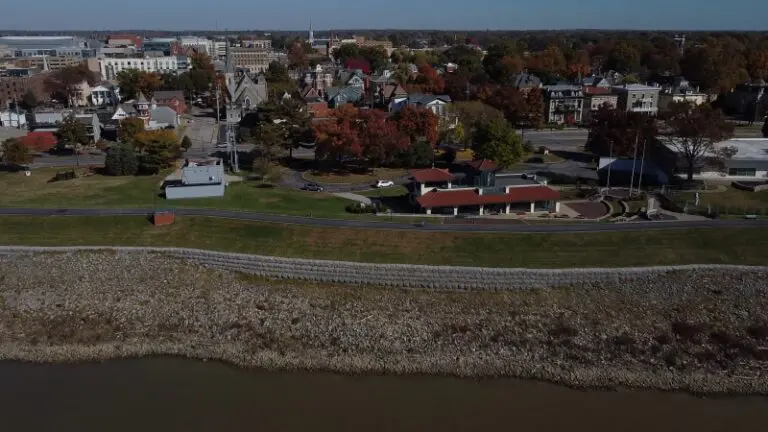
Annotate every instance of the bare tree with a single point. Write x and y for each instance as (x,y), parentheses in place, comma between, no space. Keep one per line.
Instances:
(693,131)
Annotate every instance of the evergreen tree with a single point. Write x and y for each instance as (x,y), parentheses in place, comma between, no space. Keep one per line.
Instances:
(121,160)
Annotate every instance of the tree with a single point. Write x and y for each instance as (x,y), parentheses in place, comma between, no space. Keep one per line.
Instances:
(418,123)
(292,116)
(65,83)
(376,55)
(276,72)
(693,132)
(346,52)
(159,147)
(182,82)
(128,129)
(148,83)
(29,100)
(121,160)
(498,142)
(186,143)
(337,138)
(263,167)
(428,81)
(203,72)
(614,132)
(510,101)
(14,152)
(380,139)
(297,57)
(73,133)
(419,154)
(550,61)
(533,116)
(623,58)
(271,138)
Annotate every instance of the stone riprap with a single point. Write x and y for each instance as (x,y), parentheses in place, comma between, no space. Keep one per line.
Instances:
(397,275)
(702,330)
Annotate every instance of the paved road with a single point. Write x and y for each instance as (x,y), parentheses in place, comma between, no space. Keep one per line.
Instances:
(585,227)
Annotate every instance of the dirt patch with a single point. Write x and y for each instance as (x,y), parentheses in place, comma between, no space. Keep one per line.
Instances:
(588,209)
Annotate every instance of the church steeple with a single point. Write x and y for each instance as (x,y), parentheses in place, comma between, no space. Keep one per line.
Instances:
(311,33)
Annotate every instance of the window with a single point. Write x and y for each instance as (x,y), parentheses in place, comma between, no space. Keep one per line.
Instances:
(742,172)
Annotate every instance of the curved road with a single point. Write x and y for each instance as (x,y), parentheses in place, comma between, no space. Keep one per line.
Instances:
(573,227)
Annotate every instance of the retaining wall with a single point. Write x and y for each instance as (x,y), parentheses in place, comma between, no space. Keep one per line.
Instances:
(395,275)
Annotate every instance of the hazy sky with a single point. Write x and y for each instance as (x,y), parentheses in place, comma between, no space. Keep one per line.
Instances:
(432,14)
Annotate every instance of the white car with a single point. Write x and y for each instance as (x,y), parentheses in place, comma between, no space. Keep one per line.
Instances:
(384,183)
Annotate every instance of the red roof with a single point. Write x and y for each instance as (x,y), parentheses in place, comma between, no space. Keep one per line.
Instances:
(589,90)
(468,197)
(483,165)
(40,141)
(361,64)
(431,175)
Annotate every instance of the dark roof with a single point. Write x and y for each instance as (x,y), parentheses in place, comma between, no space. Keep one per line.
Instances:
(525,80)
(168,94)
(483,165)
(431,175)
(467,197)
(424,99)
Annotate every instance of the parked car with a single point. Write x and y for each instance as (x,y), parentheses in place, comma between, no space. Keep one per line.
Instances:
(384,183)
(312,187)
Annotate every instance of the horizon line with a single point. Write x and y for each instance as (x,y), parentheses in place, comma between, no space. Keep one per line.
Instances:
(487,30)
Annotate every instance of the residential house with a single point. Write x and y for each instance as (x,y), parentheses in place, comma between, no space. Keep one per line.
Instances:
(173,99)
(164,117)
(563,104)
(436,191)
(104,94)
(154,116)
(594,98)
(680,91)
(320,78)
(438,104)
(353,78)
(92,125)
(340,96)
(311,94)
(525,81)
(637,98)
(596,81)
(392,93)
(196,179)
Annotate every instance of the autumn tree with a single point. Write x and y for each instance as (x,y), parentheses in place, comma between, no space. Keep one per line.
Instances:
(623,57)
(418,123)
(159,149)
(533,116)
(693,131)
(498,141)
(502,62)
(14,152)
(129,128)
(471,114)
(428,81)
(297,57)
(757,65)
(380,138)
(337,137)
(65,84)
(72,133)
(510,101)
(551,61)
(203,72)
(618,133)
(376,56)
(133,81)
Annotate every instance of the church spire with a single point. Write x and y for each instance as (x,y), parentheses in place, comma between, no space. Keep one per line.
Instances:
(311,33)
(229,65)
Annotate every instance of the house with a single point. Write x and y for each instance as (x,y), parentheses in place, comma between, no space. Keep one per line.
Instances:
(12,119)
(92,125)
(596,81)
(164,116)
(749,163)
(678,89)
(104,94)
(563,104)
(339,96)
(196,179)
(311,94)
(438,104)
(173,99)
(594,98)
(154,116)
(748,100)
(637,98)
(525,81)
(354,78)
(39,141)
(435,191)
(391,92)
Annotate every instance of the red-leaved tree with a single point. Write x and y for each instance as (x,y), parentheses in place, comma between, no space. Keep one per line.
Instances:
(417,123)
(380,139)
(337,137)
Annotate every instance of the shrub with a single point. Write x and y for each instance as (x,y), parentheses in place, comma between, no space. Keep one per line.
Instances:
(186,143)
(357,208)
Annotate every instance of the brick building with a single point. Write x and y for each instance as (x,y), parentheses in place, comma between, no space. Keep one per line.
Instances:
(16,87)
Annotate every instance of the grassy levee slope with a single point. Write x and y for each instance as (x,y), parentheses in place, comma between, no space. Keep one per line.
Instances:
(701,246)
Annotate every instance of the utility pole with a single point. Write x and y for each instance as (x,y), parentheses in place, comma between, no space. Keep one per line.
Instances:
(634,162)
(218,92)
(642,166)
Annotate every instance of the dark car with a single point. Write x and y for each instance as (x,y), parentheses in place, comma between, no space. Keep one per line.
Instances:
(312,187)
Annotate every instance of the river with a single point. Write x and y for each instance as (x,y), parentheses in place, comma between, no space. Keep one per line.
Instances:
(173,394)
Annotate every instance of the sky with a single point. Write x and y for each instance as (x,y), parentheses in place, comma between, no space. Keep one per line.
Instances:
(378,14)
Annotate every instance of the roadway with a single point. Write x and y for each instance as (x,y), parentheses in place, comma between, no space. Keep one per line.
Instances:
(573,227)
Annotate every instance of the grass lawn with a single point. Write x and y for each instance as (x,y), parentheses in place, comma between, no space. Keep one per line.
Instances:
(355,177)
(395,191)
(104,191)
(734,246)
(730,200)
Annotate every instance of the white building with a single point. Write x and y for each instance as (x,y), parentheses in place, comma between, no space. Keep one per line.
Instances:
(220,49)
(749,163)
(110,67)
(104,94)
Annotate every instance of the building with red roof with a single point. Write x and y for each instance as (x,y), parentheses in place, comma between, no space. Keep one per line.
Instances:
(39,141)
(479,191)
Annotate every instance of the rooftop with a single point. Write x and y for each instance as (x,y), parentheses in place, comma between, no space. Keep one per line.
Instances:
(635,87)
(747,148)
(431,175)
(471,197)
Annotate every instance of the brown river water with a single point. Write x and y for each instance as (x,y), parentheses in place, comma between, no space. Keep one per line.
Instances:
(172,394)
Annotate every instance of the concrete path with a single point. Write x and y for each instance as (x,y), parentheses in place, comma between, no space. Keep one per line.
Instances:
(354,197)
